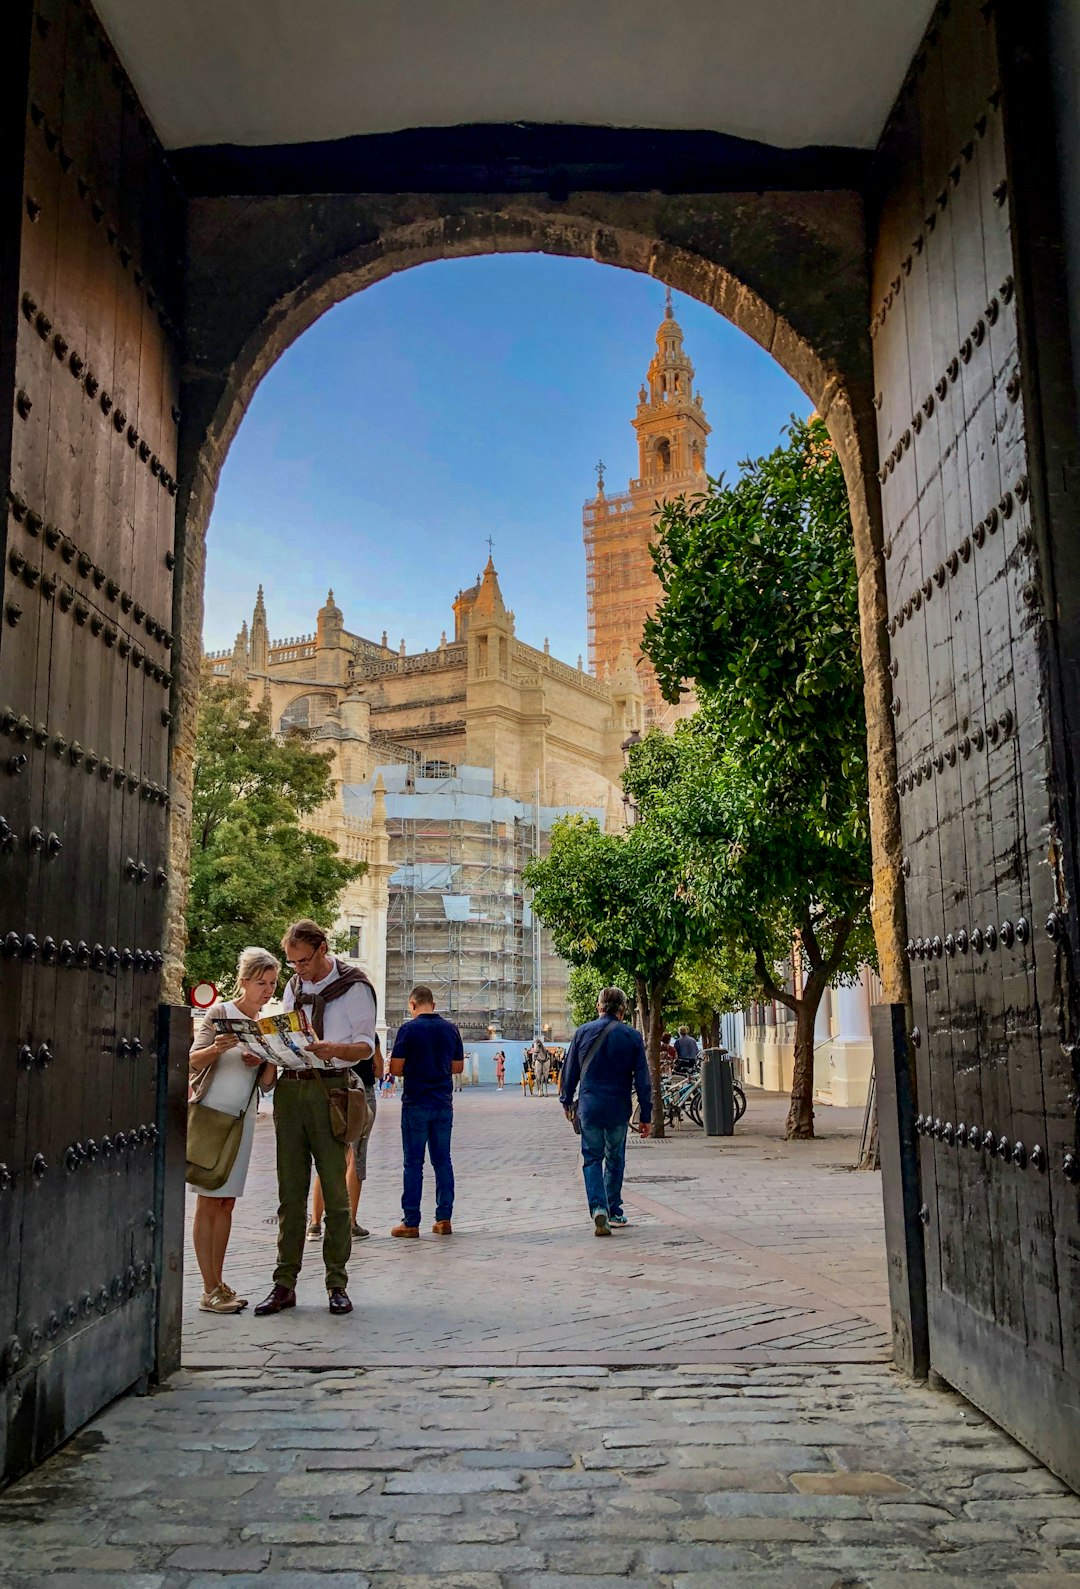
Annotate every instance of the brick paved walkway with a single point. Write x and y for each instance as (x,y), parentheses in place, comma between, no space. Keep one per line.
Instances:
(284,1465)
(837,1477)
(741,1249)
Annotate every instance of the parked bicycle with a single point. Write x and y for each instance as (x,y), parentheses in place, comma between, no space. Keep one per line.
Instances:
(681,1099)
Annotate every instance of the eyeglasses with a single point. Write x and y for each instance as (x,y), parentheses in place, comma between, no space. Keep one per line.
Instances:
(299,962)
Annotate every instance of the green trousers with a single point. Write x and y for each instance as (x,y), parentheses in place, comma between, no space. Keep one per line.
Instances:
(302,1128)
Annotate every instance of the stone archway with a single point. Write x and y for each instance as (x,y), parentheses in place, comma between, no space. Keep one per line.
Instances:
(787,269)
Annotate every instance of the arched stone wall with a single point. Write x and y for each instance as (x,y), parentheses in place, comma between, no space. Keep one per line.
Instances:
(787,269)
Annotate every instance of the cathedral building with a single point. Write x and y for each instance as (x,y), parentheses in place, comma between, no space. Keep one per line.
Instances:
(449,768)
(622,589)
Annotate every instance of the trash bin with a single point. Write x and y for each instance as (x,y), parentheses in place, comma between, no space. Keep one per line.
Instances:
(717,1097)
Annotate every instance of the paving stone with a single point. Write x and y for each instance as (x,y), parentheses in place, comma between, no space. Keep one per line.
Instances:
(215,1558)
(453,1580)
(1023,1509)
(743,1504)
(788,1577)
(322,1484)
(703,1481)
(1062,1531)
(516,1459)
(442,1530)
(90,1558)
(220,1487)
(977,1533)
(437,1483)
(380,1461)
(697,1558)
(847,1483)
(575,1580)
(327,1531)
(269,1580)
(735,1530)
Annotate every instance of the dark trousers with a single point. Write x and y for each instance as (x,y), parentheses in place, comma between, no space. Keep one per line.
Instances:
(426,1128)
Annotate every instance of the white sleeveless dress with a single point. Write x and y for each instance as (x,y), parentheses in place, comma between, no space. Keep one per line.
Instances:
(229,1090)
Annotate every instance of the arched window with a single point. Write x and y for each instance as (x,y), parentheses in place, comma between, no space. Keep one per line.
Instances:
(663,456)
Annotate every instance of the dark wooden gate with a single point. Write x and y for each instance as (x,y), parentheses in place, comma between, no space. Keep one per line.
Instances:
(972,551)
(90,295)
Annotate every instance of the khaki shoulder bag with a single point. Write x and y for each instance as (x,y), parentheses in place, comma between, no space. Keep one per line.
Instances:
(213,1137)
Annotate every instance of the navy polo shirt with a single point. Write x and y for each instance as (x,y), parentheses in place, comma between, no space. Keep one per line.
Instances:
(428,1044)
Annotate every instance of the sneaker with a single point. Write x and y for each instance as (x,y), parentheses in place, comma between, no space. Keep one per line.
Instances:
(359,1233)
(227,1291)
(618,1219)
(216,1302)
(411,1231)
(601,1225)
(442,1227)
(314,1231)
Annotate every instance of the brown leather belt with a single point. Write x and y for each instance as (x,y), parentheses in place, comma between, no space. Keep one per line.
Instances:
(310,1075)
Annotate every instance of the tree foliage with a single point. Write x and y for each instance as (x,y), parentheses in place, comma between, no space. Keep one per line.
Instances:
(254,867)
(706,986)
(619,903)
(583,988)
(766,787)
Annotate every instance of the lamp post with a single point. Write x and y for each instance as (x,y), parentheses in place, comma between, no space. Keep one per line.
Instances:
(629,804)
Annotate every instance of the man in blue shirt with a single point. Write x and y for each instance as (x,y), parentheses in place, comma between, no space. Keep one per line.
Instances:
(605,1060)
(427,1054)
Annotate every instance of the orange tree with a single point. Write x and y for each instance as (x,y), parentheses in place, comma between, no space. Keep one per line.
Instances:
(618,902)
(764,790)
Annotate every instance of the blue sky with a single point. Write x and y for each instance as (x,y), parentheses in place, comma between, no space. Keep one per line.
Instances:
(452,402)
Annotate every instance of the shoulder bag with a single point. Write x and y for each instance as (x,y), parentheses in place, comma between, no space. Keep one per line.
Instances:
(597,1045)
(213,1141)
(348,1105)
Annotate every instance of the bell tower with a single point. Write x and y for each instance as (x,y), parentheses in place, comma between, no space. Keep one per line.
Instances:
(622,590)
(670,421)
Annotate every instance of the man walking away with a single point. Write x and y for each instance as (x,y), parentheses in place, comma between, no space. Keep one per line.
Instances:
(605,1060)
(427,1055)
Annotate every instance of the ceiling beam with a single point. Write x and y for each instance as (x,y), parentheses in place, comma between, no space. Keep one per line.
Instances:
(519,158)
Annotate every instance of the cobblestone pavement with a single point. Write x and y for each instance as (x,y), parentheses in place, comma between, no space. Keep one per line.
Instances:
(831,1477)
(741,1249)
(700,1401)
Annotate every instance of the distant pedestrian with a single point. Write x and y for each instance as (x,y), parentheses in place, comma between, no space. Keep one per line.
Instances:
(370,1072)
(427,1055)
(686,1051)
(500,1070)
(605,1060)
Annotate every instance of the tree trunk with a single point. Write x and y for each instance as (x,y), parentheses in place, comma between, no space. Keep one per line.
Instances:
(800,1120)
(651,999)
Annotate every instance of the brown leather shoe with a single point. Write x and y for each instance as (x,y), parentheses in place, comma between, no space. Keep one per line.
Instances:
(280,1298)
(442,1227)
(406,1230)
(339,1301)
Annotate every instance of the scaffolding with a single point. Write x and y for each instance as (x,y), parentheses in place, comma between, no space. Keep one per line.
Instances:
(458,916)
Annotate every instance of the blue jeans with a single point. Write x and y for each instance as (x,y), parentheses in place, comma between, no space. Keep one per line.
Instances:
(603,1159)
(426,1129)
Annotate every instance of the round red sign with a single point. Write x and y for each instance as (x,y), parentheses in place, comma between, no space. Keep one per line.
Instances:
(203,994)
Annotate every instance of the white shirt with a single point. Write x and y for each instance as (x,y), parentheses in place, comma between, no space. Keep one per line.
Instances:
(231,1083)
(350,1018)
